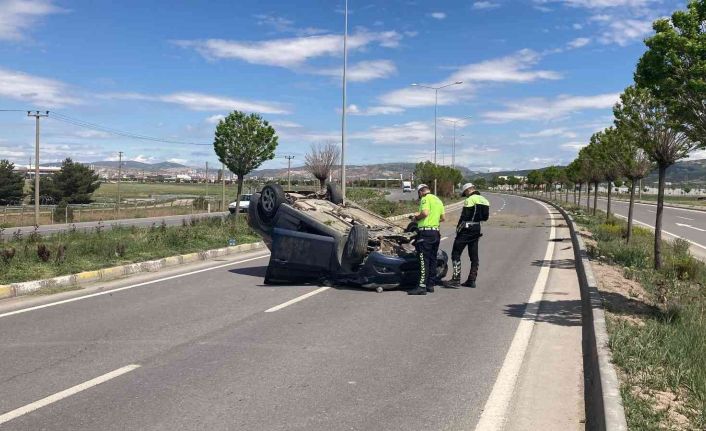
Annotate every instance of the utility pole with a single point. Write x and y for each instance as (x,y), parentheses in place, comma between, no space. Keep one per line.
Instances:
(120,176)
(343,115)
(206,178)
(289,168)
(37,115)
(223,186)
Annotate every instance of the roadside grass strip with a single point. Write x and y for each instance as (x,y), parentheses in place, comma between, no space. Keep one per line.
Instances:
(656,322)
(14,414)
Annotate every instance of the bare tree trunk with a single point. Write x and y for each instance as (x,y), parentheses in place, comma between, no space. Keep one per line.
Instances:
(322,183)
(237,196)
(607,216)
(595,197)
(628,236)
(567,195)
(588,197)
(658,219)
(578,201)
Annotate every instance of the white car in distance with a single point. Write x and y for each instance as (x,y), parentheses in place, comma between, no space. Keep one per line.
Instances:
(244,204)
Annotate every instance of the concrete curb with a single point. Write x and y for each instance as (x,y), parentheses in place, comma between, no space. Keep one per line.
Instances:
(116,272)
(604,404)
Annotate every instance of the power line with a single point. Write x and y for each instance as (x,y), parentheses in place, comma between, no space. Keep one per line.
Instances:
(97,127)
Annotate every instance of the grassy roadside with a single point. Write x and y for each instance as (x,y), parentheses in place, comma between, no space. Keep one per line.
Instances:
(656,321)
(374,200)
(35,257)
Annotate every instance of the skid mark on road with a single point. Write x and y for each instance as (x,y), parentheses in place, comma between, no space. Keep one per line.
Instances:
(14,414)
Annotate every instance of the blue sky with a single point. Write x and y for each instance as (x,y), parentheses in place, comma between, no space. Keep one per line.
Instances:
(540,76)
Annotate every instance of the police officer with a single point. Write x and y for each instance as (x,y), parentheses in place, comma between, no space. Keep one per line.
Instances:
(476,209)
(431,213)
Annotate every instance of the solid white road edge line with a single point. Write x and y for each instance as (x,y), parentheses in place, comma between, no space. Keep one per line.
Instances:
(297,299)
(14,414)
(495,410)
(106,292)
(654,205)
(663,231)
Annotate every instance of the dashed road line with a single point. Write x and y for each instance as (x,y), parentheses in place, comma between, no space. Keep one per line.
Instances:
(297,299)
(14,414)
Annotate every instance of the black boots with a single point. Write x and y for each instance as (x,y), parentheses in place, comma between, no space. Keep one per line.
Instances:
(419,290)
(471,282)
(455,281)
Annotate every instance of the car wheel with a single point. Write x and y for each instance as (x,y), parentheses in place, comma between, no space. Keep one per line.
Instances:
(271,197)
(232,210)
(412,227)
(333,194)
(356,245)
(442,265)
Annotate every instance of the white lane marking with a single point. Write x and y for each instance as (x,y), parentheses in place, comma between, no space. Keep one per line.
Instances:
(14,414)
(666,207)
(653,212)
(685,218)
(107,292)
(690,227)
(297,299)
(664,231)
(495,411)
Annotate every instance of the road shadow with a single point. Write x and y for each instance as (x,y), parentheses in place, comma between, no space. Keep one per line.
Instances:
(561,312)
(556,263)
(251,271)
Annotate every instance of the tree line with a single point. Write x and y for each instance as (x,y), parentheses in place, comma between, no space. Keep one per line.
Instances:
(659,119)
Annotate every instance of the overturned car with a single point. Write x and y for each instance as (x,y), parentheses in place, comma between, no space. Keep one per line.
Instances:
(315,237)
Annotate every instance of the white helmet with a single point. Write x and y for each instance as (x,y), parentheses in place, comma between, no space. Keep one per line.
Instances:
(422,186)
(467,186)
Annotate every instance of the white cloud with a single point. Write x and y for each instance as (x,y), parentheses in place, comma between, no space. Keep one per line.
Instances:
(512,68)
(577,26)
(480,5)
(547,133)
(144,159)
(363,71)
(438,15)
(215,119)
(515,68)
(43,92)
(17,17)
(205,102)
(625,31)
(284,25)
(599,4)
(180,161)
(578,42)
(374,110)
(573,146)
(411,133)
(92,134)
(289,52)
(543,109)
(285,124)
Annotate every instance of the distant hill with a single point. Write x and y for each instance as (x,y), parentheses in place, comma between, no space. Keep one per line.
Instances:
(131,164)
(382,170)
(691,171)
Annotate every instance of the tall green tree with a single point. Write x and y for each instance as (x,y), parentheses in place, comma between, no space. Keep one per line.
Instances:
(535,178)
(673,68)
(591,164)
(575,176)
(551,176)
(11,184)
(445,176)
(633,163)
(604,146)
(73,184)
(243,142)
(647,118)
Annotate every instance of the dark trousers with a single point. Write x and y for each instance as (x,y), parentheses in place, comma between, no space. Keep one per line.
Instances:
(469,240)
(427,246)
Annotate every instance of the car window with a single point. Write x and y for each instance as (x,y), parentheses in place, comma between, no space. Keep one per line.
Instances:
(245,198)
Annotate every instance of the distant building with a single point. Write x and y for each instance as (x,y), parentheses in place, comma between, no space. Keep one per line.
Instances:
(28,170)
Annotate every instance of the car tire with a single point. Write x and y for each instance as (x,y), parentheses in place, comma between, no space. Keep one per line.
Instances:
(356,245)
(412,227)
(271,197)
(442,265)
(255,215)
(231,210)
(333,194)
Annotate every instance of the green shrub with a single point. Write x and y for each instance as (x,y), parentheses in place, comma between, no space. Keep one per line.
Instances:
(608,232)
(63,213)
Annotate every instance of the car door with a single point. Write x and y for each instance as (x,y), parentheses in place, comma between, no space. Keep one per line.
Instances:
(300,256)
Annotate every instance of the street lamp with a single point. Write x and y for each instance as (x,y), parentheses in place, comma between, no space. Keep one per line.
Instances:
(436,106)
(453,151)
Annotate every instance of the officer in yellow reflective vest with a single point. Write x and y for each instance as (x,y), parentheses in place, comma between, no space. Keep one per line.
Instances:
(476,209)
(430,215)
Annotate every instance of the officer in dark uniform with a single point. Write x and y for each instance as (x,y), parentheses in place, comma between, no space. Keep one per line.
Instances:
(430,215)
(476,209)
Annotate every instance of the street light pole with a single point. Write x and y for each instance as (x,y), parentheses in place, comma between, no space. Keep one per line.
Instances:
(436,106)
(343,112)
(36,115)
(453,150)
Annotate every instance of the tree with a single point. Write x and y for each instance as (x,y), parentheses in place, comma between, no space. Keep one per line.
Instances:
(11,184)
(446,177)
(647,118)
(480,183)
(673,68)
(73,184)
(243,142)
(633,163)
(551,175)
(591,165)
(575,176)
(604,146)
(535,178)
(513,181)
(320,159)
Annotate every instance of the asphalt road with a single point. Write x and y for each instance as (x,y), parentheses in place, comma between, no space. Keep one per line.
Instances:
(51,229)
(202,352)
(684,223)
